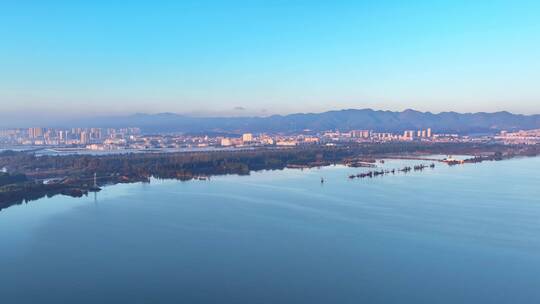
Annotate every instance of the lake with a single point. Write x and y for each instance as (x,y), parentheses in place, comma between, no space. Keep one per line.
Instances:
(460,234)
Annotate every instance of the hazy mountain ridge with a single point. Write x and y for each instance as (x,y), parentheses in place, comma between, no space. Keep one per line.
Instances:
(349,119)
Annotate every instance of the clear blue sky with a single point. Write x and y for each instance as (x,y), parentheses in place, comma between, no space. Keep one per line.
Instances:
(261,57)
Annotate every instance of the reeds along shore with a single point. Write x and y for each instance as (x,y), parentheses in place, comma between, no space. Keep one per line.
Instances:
(382,172)
(475,159)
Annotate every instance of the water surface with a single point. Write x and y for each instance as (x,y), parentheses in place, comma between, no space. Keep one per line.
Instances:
(461,234)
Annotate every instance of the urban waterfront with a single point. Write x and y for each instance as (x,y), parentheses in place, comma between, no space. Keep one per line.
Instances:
(453,234)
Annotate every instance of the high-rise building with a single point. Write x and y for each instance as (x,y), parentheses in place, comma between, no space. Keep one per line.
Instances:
(62,135)
(409,134)
(95,133)
(429,132)
(35,132)
(84,137)
(360,133)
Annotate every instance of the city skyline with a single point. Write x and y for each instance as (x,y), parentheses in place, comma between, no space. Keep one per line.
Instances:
(64,59)
(132,139)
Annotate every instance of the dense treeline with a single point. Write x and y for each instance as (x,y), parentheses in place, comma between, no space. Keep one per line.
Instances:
(219,162)
(168,165)
(6,178)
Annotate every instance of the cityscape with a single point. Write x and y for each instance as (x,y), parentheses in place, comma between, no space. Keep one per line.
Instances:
(129,139)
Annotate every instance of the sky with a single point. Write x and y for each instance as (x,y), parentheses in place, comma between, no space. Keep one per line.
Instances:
(84,58)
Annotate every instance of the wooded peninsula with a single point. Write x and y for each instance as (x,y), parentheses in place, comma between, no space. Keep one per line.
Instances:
(25,176)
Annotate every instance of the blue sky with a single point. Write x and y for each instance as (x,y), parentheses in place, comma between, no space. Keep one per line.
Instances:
(262,57)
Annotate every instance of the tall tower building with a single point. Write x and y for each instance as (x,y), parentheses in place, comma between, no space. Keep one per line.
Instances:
(35,132)
(84,137)
(95,133)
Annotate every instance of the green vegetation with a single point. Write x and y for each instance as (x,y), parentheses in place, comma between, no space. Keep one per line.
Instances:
(6,178)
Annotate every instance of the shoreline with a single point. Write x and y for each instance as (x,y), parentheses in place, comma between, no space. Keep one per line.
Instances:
(74,175)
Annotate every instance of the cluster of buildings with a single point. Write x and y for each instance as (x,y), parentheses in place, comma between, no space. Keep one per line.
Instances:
(529,137)
(132,138)
(412,134)
(66,137)
(328,138)
(99,139)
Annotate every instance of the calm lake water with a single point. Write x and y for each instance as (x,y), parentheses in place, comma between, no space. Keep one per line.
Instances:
(462,234)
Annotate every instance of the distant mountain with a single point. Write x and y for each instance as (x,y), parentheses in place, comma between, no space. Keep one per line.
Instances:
(384,121)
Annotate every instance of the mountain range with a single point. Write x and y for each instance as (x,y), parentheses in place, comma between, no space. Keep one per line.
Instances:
(344,120)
